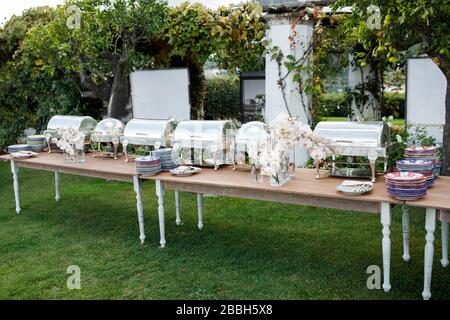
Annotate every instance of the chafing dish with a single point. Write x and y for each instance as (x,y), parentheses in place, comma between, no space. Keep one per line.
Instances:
(252,132)
(142,135)
(205,142)
(105,138)
(83,124)
(351,140)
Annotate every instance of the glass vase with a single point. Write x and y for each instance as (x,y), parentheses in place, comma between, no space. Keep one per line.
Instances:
(257,173)
(68,158)
(279,178)
(80,155)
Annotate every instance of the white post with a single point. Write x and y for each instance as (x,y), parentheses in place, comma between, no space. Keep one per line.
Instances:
(57,193)
(14,171)
(405,225)
(386,244)
(430,226)
(162,227)
(299,104)
(177,207)
(444,227)
(445,219)
(140,209)
(200,210)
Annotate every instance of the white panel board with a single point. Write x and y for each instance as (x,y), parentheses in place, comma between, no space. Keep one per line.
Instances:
(425,96)
(160,94)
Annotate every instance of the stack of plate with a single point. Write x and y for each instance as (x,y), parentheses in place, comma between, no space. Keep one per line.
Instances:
(18,147)
(430,153)
(37,142)
(148,166)
(424,167)
(168,159)
(406,185)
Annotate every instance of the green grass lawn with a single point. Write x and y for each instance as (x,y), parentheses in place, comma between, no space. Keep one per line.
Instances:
(397,122)
(247,250)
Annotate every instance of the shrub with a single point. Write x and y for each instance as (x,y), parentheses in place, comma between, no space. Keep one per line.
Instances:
(337,105)
(222,100)
(331,105)
(394,105)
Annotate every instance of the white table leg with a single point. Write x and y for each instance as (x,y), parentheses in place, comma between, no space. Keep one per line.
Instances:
(444,227)
(386,244)
(177,207)
(200,210)
(445,218)
(140,208)
(405,225)
(430,226)
(162,228)
(57,193)
(14,171)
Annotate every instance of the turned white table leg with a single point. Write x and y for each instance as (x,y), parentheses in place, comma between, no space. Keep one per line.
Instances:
(445,218)
(200,210)
(57,193)
(386,244)
(140,208)
(405,225)
(162,228)
(14,171)
(430,226)
(177,207)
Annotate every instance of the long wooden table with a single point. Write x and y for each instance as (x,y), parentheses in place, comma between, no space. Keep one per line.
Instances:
(302,189)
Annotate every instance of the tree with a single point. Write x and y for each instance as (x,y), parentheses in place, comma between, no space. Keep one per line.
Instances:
(118,36)
(422,24)
(233,36)
(103,50)
(15,29)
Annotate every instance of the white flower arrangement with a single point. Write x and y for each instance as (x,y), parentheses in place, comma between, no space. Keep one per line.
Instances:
(70,140)
(287,132)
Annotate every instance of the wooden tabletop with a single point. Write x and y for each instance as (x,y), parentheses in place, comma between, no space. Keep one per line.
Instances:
(303,188)
(107,168)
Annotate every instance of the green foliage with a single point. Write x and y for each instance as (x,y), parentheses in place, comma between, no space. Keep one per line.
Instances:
(15,29)
(404,23)
(233,36)
(222,100)
(337,104)
(331,105)
(241,31)
(394,104)
(404,136)
(47,67)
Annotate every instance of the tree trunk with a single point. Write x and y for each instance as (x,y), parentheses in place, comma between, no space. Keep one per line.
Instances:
(446,164)
(119,92)
(198,89)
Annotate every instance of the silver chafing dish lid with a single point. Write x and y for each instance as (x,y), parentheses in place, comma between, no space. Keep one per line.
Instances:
(81,123)
(108,130)
(254,130)
(352,133)
(208,131)
(148,132)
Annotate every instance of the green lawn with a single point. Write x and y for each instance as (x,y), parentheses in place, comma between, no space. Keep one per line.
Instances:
(248,249)
(397,122)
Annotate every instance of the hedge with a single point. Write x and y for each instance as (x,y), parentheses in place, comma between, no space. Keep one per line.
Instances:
(336,105)
(222,100)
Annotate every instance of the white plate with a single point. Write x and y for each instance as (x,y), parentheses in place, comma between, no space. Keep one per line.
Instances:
(184,171)
(24,154)
(354,190)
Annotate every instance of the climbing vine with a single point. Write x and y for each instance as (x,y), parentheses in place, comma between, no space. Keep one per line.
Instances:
(308,71)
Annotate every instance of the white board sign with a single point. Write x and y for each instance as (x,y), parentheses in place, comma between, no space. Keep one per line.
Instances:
(425,96)
(160,94)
